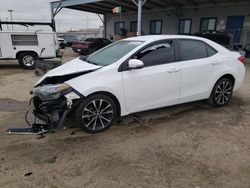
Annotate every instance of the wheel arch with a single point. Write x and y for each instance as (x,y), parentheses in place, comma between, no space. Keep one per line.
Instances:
(25,51)
(228,76)
(211,99)
(112,96)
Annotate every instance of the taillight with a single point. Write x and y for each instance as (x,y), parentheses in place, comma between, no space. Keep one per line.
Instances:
(241,59)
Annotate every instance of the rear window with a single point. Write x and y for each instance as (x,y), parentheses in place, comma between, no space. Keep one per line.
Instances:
(210,51)
(24,40)
(192,49)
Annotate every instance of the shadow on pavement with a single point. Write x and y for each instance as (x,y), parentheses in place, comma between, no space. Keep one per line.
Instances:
(10,66)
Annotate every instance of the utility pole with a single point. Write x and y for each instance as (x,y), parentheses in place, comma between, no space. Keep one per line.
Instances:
(11,18)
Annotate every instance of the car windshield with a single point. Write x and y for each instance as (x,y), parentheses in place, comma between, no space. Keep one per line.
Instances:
(112,53)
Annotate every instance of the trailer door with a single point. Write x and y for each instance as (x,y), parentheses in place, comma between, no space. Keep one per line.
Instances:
(47,41)
(6,48)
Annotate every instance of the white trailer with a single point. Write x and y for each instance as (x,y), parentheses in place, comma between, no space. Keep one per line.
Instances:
(26,46)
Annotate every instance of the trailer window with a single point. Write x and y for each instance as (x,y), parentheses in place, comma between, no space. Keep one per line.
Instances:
(24,40)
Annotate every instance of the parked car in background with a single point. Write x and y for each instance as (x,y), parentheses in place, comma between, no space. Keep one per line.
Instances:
(70,39)
(223,38)
(26,46)
(62,42)
(138,74)
(247,50)
(89,45)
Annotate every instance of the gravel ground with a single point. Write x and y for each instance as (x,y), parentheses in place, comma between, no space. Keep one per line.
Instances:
(191,145)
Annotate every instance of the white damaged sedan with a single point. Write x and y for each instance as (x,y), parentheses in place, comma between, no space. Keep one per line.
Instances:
(137,74)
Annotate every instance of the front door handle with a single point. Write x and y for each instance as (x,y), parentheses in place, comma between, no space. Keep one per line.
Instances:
(173,70)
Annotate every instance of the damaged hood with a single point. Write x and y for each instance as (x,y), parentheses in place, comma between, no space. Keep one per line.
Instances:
(68,70)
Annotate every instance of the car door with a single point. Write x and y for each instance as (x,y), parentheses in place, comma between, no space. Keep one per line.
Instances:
(200,66)
(157,83)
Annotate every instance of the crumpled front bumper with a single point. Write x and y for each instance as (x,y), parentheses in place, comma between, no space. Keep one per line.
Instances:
(53,112)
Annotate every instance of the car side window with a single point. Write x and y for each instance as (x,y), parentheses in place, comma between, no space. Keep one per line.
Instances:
(210,51)
(192,49)
(157,54)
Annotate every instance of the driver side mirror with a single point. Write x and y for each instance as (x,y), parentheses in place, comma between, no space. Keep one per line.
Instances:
(135,64)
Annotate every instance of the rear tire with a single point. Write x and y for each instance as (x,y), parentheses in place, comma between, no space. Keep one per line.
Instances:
(96,113)
(221,93)
(27,60)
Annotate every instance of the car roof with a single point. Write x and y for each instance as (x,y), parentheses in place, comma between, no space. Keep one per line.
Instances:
(152,38)
(148,38)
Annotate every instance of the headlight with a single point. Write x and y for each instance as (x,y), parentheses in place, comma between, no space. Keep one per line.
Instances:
(55,88)
(50,92)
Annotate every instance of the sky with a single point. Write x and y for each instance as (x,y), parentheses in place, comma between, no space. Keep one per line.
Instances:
(39,11)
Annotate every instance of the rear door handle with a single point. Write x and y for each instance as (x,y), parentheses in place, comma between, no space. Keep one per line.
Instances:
(173,70)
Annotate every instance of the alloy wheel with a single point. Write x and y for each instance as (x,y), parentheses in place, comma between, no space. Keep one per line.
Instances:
(97,114)
(223,92)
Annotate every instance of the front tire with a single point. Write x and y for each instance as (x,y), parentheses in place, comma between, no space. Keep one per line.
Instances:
(27,60)
(96,113)
(221,93)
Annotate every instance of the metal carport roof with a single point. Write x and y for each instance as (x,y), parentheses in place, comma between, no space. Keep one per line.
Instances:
(105,6)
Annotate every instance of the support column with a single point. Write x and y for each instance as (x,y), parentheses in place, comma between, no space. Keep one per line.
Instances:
(53,24)
(105,25)
(54,13)
(139,25)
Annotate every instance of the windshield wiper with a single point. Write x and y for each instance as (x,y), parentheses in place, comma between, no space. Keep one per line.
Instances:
(90,62)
